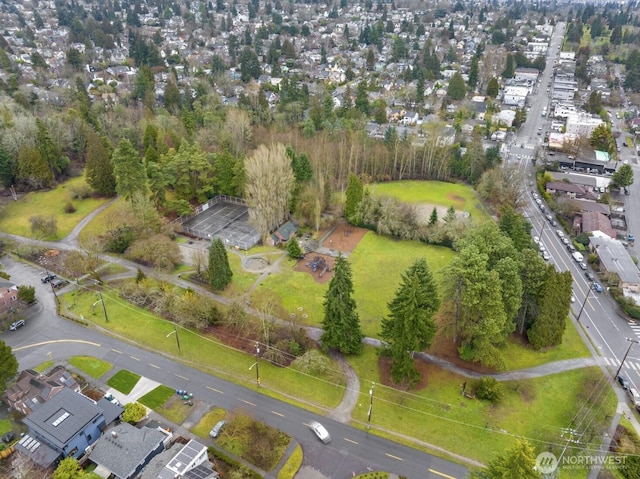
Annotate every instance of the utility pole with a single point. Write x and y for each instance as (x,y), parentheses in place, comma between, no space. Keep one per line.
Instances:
(631,343)
(104,308)
(257,364)
(584,303)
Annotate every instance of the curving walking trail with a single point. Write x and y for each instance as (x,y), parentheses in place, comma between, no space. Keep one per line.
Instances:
(342,412)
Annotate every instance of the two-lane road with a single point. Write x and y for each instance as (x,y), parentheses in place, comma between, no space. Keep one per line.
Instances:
(351,450)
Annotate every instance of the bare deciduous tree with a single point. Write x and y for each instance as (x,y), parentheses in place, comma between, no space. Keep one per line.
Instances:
(269,186)
(238,129)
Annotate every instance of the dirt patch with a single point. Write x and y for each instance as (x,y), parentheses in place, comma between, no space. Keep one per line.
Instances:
(446,349)
(344,238)
(320,275)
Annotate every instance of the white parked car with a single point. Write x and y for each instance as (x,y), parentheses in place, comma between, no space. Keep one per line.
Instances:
(536,240)
(560,233)
(320,431)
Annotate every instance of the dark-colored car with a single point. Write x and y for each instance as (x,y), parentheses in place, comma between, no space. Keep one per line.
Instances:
(17,325)
(48,277)
(571,248)
(8,437)
(624,382)
(58,283)
(589,275)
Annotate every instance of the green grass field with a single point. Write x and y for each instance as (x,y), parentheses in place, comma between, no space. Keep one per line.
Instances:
(94,367)
(439,414)
(14,217)
(123,381)
(156,398)
(202,352)
(461,197)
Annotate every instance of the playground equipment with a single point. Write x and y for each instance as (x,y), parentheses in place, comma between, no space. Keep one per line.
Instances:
(320,264)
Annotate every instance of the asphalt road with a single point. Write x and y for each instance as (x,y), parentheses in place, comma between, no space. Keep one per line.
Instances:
(46,336)
(607,329)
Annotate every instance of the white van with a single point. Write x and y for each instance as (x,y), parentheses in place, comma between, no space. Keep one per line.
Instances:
(577,255)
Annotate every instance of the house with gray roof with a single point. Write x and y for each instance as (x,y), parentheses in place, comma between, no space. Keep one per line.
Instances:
(614,258)
(123,451)
(64,426)
(189,463)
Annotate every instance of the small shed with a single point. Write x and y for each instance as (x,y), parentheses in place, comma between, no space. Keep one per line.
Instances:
(284,233)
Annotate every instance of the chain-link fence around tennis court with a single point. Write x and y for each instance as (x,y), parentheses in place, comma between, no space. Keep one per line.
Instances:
(223,217)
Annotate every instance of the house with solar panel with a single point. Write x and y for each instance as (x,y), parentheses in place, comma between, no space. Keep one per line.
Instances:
(65,426)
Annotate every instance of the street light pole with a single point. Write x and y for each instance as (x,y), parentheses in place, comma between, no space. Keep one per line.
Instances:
(373,385)
(104,308)
(257,364)
(631,342)
(584,303)
(175,331)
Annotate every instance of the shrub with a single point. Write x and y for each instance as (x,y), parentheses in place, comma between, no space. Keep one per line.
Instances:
(69,208)
(119,239)
(80,192)
(27,294)
(133,412)
(490,389)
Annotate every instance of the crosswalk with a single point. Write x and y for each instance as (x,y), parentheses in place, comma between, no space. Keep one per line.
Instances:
(636,329)
(615,363)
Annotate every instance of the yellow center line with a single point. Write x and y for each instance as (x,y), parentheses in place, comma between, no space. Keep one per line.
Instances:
(441,474)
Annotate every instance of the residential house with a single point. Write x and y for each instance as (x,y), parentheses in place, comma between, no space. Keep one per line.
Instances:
(123,451)
(615,259)
(569,190)
(515,96)
(64,426)
(8,295)
(582,124)
(189,462)
(32,389)
(598,225)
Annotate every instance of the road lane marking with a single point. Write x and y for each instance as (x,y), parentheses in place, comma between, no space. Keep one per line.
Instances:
(350,440)
(441,474)
(134,358)
(393,457)
(214,389)
(116,351)
(247,402)
(277,413)
(35,345)
(182,377)
(154,366)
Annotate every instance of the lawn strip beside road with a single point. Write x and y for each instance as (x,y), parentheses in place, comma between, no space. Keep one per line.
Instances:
(203,352)
(439,415)
(94,367)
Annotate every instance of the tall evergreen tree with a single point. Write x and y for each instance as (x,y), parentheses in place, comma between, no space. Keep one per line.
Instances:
(8,365)
(49,151)
(99,168)
(553,308)
(128,170)
(457,89)
(509,68)
(493,87)
(220,273)
(473,72)
(341,322)
(410,326)
(517,462)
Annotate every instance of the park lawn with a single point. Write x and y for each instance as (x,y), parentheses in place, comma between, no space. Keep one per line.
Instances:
(241,281)
(124,381)
(207,422)
(156,398)
(94,367)
(377,264)
(520,356)
(197,350)
(101,223)
(15,216)
(41,368)
(439,415)
(461,197)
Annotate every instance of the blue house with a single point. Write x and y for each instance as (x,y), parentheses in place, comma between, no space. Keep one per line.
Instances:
(62,427)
